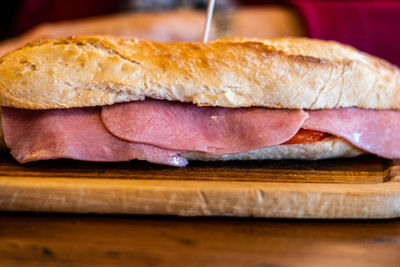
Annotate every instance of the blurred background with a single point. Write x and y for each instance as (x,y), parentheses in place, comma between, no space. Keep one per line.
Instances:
(372,26)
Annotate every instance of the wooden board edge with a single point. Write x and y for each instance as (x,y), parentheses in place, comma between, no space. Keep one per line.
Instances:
(393,174)
(201,198)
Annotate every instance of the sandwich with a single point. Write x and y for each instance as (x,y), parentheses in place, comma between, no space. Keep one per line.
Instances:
(103,98)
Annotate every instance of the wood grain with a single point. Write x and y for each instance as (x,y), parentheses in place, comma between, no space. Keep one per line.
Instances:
(364,187)
(82,240)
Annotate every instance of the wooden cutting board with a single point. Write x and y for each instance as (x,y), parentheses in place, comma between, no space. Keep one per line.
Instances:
(364,187)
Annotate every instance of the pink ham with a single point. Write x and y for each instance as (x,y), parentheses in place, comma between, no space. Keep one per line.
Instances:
(213,130)
(75,134)
(375,131)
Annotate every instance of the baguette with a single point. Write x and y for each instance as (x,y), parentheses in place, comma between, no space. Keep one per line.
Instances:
(285,73)
(290,73)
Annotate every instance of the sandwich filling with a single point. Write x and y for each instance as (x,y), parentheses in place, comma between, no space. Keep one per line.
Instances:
(159,131)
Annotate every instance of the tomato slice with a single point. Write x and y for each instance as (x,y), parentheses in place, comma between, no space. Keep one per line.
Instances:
(304,136)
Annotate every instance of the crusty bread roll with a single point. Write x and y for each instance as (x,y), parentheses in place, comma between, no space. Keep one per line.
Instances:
(292,73)
(289,73)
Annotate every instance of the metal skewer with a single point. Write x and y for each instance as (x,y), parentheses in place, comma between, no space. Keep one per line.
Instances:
(210,10)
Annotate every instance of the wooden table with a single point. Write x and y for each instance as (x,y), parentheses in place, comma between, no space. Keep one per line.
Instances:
(41,239)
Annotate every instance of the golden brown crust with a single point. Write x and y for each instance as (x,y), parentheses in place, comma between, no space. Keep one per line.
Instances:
(236,72)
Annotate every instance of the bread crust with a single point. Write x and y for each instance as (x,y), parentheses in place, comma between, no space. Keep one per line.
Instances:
(332,147)
(293,73)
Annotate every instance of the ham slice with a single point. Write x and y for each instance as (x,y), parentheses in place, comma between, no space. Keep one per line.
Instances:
(214,130)
(156,131)
(375,131)
(74,134)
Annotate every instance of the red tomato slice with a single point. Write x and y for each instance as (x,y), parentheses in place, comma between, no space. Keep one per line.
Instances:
(304,136)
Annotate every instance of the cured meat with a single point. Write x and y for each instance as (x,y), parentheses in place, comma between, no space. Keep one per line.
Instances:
(214,130)
(157,131)
(375,131)
(75,134)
